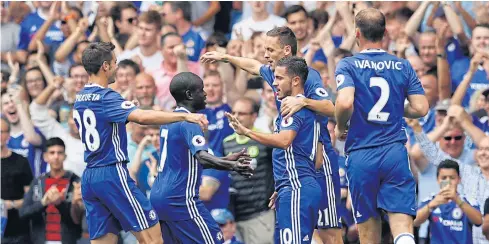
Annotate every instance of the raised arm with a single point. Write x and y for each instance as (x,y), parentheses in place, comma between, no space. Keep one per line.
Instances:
(443,68)
(54,15)
(250,65)
(413,23)
(45,69)
(461,90)
(455,24)
(30,134)
(214,8)
(153,117)
(69,44)
(469,20)
(458,113)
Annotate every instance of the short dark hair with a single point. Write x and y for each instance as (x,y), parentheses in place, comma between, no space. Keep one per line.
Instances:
(286,37)
(77,10)
(294,9)
(152,17)
(448,164)
(482,25)
(95,55)
(181,83)
(217,38)
(24,81)
(46,55)
(74,66)
(131,64)
(54,141)
(319,17)
(163,38)
(116,10)
(403,14)
(255,108)
(184,6)
(296,66)
(371,23)
(212,73)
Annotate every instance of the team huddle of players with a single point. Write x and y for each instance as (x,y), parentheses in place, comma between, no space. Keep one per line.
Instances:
(305,165)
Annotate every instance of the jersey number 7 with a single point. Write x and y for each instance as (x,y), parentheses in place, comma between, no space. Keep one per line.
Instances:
(375,113)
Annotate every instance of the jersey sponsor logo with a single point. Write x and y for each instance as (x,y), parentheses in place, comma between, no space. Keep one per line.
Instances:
(253,151)
(457,213)
(451,47)
(152,215)
(340,79)
(321,92)
(127,105)
(198,141)
(220,114)
(287,122)
(24,143)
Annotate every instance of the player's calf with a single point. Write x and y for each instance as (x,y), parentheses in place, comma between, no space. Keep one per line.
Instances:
(370,231)
(152,235)
(401,226)
(330,235)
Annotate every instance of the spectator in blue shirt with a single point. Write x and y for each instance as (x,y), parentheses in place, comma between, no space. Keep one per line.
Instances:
(451,216)
(225,219)
(180,15)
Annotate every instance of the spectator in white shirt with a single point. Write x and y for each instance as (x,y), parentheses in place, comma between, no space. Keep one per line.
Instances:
(50,128)
(260,20)
(148,50)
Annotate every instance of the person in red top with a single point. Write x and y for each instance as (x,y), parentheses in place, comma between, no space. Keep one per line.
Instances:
(48,203)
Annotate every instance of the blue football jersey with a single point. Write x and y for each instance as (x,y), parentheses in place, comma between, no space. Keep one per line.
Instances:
(31,24)
(218,128)
(313,89)
(382,83)
(220,199)
(101,115)
(480,80)
(19,145)
(194,43)
(175,192)
(296,163)
(449,224)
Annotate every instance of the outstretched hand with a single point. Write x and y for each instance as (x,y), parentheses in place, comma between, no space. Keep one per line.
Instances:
(198,119)
(212,57)
(241,154)
(243,166)
(236,125)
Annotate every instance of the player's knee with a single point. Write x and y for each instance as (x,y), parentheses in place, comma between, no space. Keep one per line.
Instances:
(404,238)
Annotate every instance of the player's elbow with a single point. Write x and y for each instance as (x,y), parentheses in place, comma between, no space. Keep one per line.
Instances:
(485,226)
(478,219)
(420,105)
(139,116)
(205,194)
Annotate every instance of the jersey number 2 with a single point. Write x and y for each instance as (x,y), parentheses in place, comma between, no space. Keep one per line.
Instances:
(92,138)
(375,113)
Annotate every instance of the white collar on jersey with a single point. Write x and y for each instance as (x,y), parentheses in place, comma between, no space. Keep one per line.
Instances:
(373,50)
(92,85)
(300,95)
(182,109)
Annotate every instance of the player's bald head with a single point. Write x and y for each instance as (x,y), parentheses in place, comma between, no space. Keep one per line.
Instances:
(183,82)
(371,23)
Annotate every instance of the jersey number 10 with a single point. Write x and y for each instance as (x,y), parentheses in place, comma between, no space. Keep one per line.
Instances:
(375,113)
(92,138)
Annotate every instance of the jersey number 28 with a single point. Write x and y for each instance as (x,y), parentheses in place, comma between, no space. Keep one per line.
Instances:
(92,138)
(375,113)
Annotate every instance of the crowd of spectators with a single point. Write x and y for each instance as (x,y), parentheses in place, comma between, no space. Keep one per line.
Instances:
(447,43)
